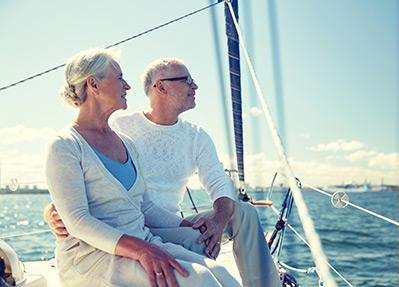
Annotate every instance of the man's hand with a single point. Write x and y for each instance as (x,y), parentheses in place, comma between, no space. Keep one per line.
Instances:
(212,235)
(186,223)
(212,228)
(53,219)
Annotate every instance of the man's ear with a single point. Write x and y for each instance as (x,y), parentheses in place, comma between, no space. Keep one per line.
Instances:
(160,87)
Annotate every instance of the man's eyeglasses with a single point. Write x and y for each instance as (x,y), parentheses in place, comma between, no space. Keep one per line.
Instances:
(189,81)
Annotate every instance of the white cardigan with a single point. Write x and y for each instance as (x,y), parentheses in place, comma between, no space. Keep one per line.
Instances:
(94,205)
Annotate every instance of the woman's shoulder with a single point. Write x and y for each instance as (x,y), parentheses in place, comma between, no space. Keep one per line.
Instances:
(63,139)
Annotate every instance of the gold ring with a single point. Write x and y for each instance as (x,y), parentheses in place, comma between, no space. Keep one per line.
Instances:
(159,273)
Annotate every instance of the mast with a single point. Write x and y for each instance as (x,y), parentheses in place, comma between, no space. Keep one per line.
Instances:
(222,86)
(235,84)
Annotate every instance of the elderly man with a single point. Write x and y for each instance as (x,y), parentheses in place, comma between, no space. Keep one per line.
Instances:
(171,150)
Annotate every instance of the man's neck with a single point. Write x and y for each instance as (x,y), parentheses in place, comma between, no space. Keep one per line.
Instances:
(161,118)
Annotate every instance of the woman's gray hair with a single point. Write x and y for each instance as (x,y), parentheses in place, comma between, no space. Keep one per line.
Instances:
(85,64)
(154,69)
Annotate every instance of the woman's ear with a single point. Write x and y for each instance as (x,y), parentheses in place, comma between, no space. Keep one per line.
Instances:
(92,84)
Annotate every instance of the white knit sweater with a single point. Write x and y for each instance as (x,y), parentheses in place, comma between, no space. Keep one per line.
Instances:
(170,155)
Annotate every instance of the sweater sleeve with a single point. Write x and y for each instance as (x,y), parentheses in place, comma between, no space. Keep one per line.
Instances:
(156,216)
(66,184)
(210,170)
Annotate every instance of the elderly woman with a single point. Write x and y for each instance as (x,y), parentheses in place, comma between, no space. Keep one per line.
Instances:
(94,181)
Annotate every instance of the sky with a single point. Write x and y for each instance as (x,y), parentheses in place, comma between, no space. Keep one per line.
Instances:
(335,63)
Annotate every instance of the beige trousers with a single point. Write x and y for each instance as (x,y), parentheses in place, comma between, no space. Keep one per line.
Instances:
(250,249)
(83,265)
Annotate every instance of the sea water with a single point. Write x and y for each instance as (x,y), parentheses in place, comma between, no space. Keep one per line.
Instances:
(364,249)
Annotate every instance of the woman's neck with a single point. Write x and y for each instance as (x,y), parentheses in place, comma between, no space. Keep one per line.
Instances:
(94,121)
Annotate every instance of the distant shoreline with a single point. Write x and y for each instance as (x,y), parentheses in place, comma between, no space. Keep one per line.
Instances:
(20,191)
(24,191)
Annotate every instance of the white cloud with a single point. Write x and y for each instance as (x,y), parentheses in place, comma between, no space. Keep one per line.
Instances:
(20,133)
(28,168)
(321,173)
(331,157)
(259,170)
(339,145)
(360,155)
(385,161)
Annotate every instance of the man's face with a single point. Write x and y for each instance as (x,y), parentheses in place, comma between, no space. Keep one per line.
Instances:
(180,87)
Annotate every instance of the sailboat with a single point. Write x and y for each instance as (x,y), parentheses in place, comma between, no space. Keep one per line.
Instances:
(40,273)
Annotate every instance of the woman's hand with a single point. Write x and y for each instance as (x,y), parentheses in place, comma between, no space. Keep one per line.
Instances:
(54,220)
(157,263)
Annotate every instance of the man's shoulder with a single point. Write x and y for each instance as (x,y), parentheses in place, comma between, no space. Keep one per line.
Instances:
(194,128)
(127,122)
(187,125)
(127,117)
(195,131)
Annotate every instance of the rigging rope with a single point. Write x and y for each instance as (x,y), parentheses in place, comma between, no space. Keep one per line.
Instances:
(299,270)
(114,45)
(394,222)
(307,223)
(277,74)
(25,234)
(307,243)
(355,206)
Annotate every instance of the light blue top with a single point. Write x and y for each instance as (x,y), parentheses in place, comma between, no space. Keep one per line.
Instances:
(124,172)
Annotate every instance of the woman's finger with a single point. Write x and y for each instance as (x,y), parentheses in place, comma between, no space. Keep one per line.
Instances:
(176,265)
(160,276)
(151,275)
(170,276)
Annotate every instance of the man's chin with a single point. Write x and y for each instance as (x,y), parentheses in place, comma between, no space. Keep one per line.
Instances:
(189,107)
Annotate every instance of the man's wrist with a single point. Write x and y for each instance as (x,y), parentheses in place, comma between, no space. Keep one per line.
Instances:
(221,217)
(223,208)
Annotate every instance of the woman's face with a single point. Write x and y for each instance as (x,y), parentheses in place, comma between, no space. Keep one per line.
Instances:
(113,88)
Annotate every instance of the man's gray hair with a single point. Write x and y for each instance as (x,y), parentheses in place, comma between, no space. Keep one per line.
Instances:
(154,69)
